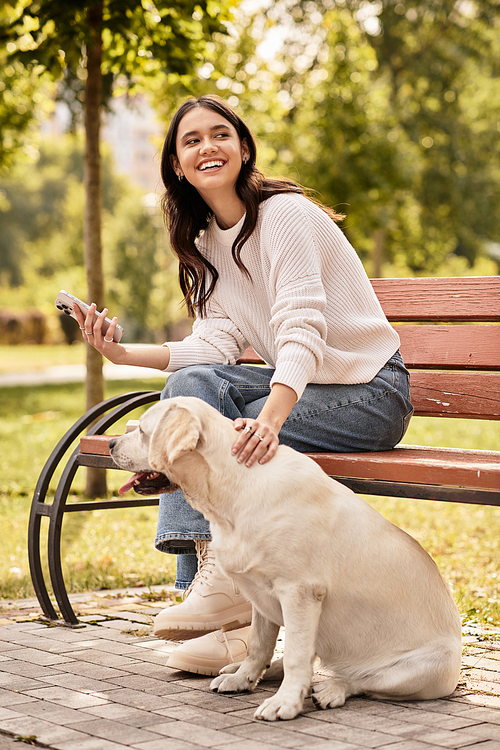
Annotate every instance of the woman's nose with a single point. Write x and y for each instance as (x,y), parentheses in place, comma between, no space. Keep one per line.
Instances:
(208,146)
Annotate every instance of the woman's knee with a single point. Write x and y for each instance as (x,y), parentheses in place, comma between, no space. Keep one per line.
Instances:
(196,380)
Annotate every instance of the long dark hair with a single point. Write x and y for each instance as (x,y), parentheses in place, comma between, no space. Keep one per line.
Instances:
(187,215)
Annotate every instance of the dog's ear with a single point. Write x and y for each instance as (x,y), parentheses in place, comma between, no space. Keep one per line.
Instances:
(177,432)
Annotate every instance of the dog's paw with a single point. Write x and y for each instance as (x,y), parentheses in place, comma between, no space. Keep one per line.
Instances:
(328,694)
(279,708)
(230,668)
(232,683)
(274,671)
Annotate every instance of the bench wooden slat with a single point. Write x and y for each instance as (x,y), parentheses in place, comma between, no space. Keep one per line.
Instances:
(469,395)
(450,347)
(439,299)
(438,347)
(444,466)
(480,469)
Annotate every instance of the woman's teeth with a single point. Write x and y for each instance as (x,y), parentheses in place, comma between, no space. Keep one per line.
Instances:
(210,165)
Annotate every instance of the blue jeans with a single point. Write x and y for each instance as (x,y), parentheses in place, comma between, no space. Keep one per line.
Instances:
(330,418)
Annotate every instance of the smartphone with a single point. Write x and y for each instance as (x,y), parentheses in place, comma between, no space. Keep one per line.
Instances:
(65,301)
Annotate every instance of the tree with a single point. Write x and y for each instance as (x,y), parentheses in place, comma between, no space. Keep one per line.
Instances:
(101,42)
(389,107)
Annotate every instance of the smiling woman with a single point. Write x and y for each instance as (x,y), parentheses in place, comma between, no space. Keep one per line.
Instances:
(209,154)
(260,265)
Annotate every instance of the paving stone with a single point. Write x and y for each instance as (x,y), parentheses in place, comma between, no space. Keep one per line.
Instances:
(138,699)
(24,669)
(202,717)
(11,698)
(7,742)
(116,731)
(18,683)
(156,657)
(457,739)
(485,731)
(104,658)
(8,713)
(193,733)
(410,745)
(44,731)
(36,656)
(114,691)
(135,717)
(65,697)
(157,671)
(77,682)
(61,635)
(149,685)
(51,712)
(279,734)
(103,644)
(484,714)
(213,701)
(479,699)
(89,743)
(168,744)
(249,745)
(86,669)
(363,737)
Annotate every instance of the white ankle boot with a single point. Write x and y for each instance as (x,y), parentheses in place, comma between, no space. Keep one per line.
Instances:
(213,601)
(210,653)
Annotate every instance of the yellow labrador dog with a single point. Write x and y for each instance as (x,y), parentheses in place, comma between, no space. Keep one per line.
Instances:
(347,585)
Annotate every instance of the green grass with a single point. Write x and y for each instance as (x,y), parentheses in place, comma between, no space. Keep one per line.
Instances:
(111,549)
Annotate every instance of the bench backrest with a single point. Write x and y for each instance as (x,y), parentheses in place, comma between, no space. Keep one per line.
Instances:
(446,342)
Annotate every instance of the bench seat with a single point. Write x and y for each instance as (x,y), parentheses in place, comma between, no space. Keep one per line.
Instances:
(450,341)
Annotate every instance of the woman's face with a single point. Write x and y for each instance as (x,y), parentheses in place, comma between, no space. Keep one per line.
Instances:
(209,152)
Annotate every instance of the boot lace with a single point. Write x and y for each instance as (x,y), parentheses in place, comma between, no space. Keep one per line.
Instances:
(207,566)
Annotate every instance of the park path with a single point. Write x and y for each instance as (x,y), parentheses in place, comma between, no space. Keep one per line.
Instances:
(75,374)
(105,686)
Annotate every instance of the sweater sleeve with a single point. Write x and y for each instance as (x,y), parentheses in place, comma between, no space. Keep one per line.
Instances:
(215,339)
(297,315)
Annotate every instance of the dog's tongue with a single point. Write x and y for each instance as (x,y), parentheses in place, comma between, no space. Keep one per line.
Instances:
(130,483)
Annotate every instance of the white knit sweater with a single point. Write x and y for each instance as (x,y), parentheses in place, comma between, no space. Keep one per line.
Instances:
(309,309)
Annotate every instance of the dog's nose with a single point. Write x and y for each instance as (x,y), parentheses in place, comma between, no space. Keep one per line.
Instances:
(112,443)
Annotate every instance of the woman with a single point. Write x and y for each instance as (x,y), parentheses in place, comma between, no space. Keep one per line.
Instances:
(260,264)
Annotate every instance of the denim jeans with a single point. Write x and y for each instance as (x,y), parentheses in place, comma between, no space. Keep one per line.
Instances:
(330,418)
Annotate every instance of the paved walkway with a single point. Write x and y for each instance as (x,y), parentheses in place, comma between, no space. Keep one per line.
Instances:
(75,374)
(105,686)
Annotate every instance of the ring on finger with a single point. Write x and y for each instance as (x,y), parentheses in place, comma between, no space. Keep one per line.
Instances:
(259,436)
(109,341)
(247,429)
(89,333)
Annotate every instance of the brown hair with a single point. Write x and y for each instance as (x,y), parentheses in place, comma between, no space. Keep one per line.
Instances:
(187,215)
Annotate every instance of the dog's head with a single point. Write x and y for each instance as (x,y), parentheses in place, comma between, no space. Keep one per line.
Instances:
(166,432)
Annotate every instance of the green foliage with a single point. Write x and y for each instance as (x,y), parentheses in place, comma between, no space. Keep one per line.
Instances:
(110,549)
(390,111)
(41,244)
(140,41)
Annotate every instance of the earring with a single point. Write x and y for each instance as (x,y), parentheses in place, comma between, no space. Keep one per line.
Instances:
(180,176)
(245,159)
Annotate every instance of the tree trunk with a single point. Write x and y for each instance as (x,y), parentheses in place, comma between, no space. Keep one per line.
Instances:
(96,478)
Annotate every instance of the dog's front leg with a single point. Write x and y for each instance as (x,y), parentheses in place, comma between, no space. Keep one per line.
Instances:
(301,612)
(261,643)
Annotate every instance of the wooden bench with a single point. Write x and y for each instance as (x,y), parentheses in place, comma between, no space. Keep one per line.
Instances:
(450,342)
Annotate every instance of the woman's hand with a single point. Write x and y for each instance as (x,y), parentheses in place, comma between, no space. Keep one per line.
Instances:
(257,441)
(92,333)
